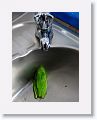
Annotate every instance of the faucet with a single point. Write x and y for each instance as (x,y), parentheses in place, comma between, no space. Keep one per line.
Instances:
(44,31)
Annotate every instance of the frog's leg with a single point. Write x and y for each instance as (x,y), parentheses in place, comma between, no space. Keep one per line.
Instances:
(44,96)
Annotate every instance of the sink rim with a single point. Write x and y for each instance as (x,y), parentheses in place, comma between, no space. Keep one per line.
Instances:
(74,39)
(65,47)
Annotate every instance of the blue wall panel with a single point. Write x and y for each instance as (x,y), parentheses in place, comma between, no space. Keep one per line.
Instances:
(71,18)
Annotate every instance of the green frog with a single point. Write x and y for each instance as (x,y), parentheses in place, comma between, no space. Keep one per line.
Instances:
(40,83)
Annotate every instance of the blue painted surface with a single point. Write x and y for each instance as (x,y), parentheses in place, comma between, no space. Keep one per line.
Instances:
(71,18)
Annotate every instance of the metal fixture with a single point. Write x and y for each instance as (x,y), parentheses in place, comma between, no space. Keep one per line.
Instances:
(44,32)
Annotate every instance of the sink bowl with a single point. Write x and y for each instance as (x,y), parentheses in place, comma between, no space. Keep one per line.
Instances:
(62,65)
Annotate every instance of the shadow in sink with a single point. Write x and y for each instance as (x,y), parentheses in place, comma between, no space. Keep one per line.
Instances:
(62,65)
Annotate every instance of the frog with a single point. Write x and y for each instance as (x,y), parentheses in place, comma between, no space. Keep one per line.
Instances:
(40,83)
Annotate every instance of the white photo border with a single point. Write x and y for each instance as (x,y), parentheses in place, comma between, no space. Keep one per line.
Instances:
(84,104)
